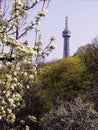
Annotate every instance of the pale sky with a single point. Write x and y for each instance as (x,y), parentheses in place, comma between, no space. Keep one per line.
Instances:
(82,22)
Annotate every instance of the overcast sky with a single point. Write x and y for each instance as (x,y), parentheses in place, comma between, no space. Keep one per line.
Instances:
(82,22)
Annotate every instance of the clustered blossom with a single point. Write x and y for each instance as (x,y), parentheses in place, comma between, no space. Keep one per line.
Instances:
(20,3)
(53,38)
(18,47)
(16,55)
(9,98)
(27,127)
(42,13)
(12,92)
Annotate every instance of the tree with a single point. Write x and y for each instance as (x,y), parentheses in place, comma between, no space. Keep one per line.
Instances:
(76,115)
(16,53)
(65,78)
(89,55)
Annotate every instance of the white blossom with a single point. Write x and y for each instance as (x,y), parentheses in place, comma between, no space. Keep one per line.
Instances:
(11,101)
(0,12)
(28,86)
(38,22)
(16,96)
(8,76)
(52,47)
(15,79)
(33,23)
(8,93)
(11,117)
(42,13)
(25,73)
(15,73)
(27,127)
(31,76)
(9,110)
(4,39)
(53,38)
(0,117)
(33,118)
(20,3)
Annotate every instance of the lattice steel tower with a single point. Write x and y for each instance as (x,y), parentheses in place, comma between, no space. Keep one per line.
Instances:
(66,35)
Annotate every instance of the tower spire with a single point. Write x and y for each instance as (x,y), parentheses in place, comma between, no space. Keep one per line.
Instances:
(66,22)
(66,36)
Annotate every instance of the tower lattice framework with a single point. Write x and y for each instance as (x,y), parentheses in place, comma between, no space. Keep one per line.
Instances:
(66,35)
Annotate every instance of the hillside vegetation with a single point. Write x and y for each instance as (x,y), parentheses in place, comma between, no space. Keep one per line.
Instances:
(71,87)
(66,94)
(71,76)
(63,94)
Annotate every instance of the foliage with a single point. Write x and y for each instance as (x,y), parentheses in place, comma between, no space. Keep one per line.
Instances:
(89,55)
(65,78)
(75,115)
(18,59)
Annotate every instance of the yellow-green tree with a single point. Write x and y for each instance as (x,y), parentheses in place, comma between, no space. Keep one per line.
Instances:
(89,55)
(65,78)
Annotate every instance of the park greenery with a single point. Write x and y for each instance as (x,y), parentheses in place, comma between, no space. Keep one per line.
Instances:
(58,95)
(71,89)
